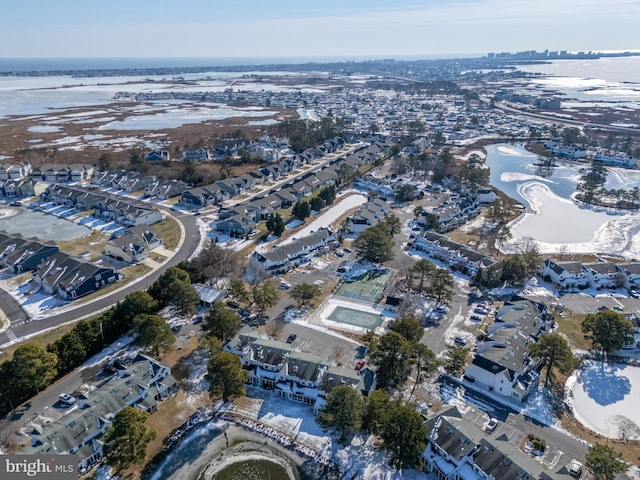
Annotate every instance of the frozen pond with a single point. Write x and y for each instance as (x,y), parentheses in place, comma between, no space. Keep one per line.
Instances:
(605,399)
(328,217)
(36,224)
(553,219)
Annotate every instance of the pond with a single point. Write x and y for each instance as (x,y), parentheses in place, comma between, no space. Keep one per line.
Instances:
(552,218)
(252,470)
(605,399)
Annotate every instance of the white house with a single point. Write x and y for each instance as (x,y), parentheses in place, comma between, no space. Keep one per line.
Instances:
(565,274)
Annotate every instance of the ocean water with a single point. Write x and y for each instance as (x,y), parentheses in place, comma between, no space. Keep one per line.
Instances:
(61,64)
(602,80)
(611,70)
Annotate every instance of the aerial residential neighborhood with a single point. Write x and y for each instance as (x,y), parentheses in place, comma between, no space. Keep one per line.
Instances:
(371,269)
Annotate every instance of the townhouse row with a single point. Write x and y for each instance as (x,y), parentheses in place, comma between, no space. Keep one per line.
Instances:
(457,449)
(368,215)
(502,363)
(105,208)
(598,275)
(142,385)
(455,256)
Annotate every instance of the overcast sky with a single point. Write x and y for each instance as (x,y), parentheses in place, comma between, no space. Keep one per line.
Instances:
(311,28)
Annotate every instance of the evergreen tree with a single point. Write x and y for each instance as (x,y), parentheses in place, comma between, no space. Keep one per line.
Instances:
(153,331)
(608,330)
(301,210)
(404,435)
(226,376)
(555,352)
(456,360)
(604,462)
(391,354)
(342,413)
(126,440)
(375,244)
(221,322)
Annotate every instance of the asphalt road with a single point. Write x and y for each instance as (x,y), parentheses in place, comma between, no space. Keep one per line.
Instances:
(23,327)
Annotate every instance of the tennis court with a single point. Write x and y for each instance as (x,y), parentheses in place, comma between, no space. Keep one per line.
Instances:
(350,316)
(365,287)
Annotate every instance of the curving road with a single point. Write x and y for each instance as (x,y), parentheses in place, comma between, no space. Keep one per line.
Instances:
(23,327)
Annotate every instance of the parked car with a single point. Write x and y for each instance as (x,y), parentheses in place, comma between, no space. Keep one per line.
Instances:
(67,399)
(291,338)
(618,308)
(233,304)
(575,468)
(360,363)
(284,285)
(491,426)
(460,341)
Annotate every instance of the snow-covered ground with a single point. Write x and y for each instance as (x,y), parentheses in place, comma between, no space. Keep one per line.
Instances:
(605,396)
(328,217)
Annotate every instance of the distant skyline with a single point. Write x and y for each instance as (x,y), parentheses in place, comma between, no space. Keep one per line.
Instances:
(295,28)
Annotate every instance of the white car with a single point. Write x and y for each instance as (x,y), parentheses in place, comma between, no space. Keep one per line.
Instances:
(67,399)
(491,426)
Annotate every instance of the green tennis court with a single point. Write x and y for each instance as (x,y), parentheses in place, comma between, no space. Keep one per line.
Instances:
(366,320)
(367,287)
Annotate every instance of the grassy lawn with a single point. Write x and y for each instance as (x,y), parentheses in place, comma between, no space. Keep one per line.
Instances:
(92,244)
(41,340)
(571,327)
(169,231)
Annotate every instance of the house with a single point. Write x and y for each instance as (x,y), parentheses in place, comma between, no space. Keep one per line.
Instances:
(267,205)
(631,274)
(131,215)
(127,248)
(197,154)
(502,362)
(209,295)
(283,258)
(150,238)
(239,224)
(565,274)
(291,373)
(457,449)
(71,278)
(487,196)
(368,215)
(143,384)
(158,156)
(29,256)
(604,275)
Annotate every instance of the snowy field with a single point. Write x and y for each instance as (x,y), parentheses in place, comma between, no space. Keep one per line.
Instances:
(328,217)
(605,398)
